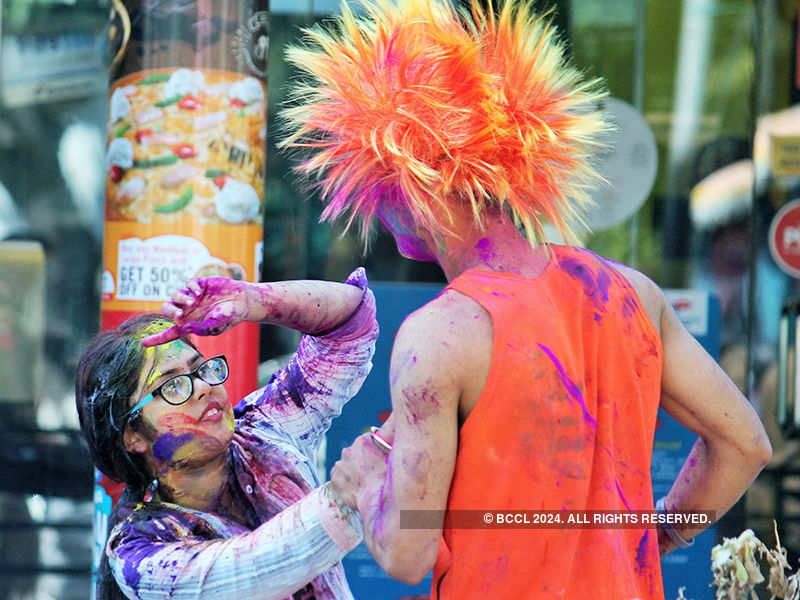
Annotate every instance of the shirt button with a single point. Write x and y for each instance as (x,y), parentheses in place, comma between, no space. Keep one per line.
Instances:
(249,489)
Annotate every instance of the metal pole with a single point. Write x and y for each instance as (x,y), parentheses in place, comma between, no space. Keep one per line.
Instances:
(638,103)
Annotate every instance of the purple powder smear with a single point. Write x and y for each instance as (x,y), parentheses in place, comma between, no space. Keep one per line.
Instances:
(484,248)
(595,288)
(421,404)
(603,283)
(379,522)
(167,444)
(642,559)
(133,552)
(572,388)
(621,495)
(629,306)
(297,386)
(402,362)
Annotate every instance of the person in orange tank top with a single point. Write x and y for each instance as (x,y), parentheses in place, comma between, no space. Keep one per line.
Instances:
(533,381)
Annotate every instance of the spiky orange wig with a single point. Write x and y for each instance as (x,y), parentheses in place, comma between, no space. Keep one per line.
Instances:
(442,110)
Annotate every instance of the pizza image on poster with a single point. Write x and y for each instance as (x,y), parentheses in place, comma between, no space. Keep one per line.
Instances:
(185,162)
(186,144)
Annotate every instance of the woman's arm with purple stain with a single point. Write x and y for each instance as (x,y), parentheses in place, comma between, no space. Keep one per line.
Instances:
(213,305)
(326,371)
(269,563)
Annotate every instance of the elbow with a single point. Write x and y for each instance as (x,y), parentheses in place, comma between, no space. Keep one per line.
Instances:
(758,452)
(409,578)
(751,453)
(410,573)
(409,563)
(763,451)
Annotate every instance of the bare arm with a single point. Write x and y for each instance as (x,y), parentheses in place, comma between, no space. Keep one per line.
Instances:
(322,376)
(732,447)
(213,305)
(313,307)
(426,385)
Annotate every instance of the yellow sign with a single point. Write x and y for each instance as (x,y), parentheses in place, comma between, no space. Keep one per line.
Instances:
(786,155)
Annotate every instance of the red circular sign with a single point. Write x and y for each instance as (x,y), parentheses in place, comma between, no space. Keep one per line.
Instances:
(784,238)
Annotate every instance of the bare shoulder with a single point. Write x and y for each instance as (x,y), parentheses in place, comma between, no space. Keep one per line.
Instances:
(451,332)
(650,295)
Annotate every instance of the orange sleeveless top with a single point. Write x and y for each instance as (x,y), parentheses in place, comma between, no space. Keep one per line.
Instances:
(565,421)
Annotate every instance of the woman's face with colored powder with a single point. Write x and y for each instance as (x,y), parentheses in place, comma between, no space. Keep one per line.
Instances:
(188,434)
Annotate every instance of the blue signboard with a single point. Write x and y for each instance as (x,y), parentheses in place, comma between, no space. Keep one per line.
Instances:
(688,567)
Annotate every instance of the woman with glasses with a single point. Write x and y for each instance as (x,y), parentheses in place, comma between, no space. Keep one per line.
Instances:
(224,501)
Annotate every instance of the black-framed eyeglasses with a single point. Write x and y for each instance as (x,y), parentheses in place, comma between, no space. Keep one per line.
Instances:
(177,390)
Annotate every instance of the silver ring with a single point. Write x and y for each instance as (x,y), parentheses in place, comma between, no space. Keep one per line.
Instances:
(379,441)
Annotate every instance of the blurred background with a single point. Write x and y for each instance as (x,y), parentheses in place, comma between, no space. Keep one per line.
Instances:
(705,169)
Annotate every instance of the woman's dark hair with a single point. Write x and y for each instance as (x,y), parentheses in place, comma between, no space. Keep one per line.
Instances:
(107,376)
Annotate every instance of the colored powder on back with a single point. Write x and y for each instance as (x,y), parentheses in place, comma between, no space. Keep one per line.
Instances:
(642,559)
(572,388)
(595,288)
(484,248)
(621,495)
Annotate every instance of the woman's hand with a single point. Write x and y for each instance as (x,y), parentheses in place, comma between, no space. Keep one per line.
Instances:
(204,307)
(358,476)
